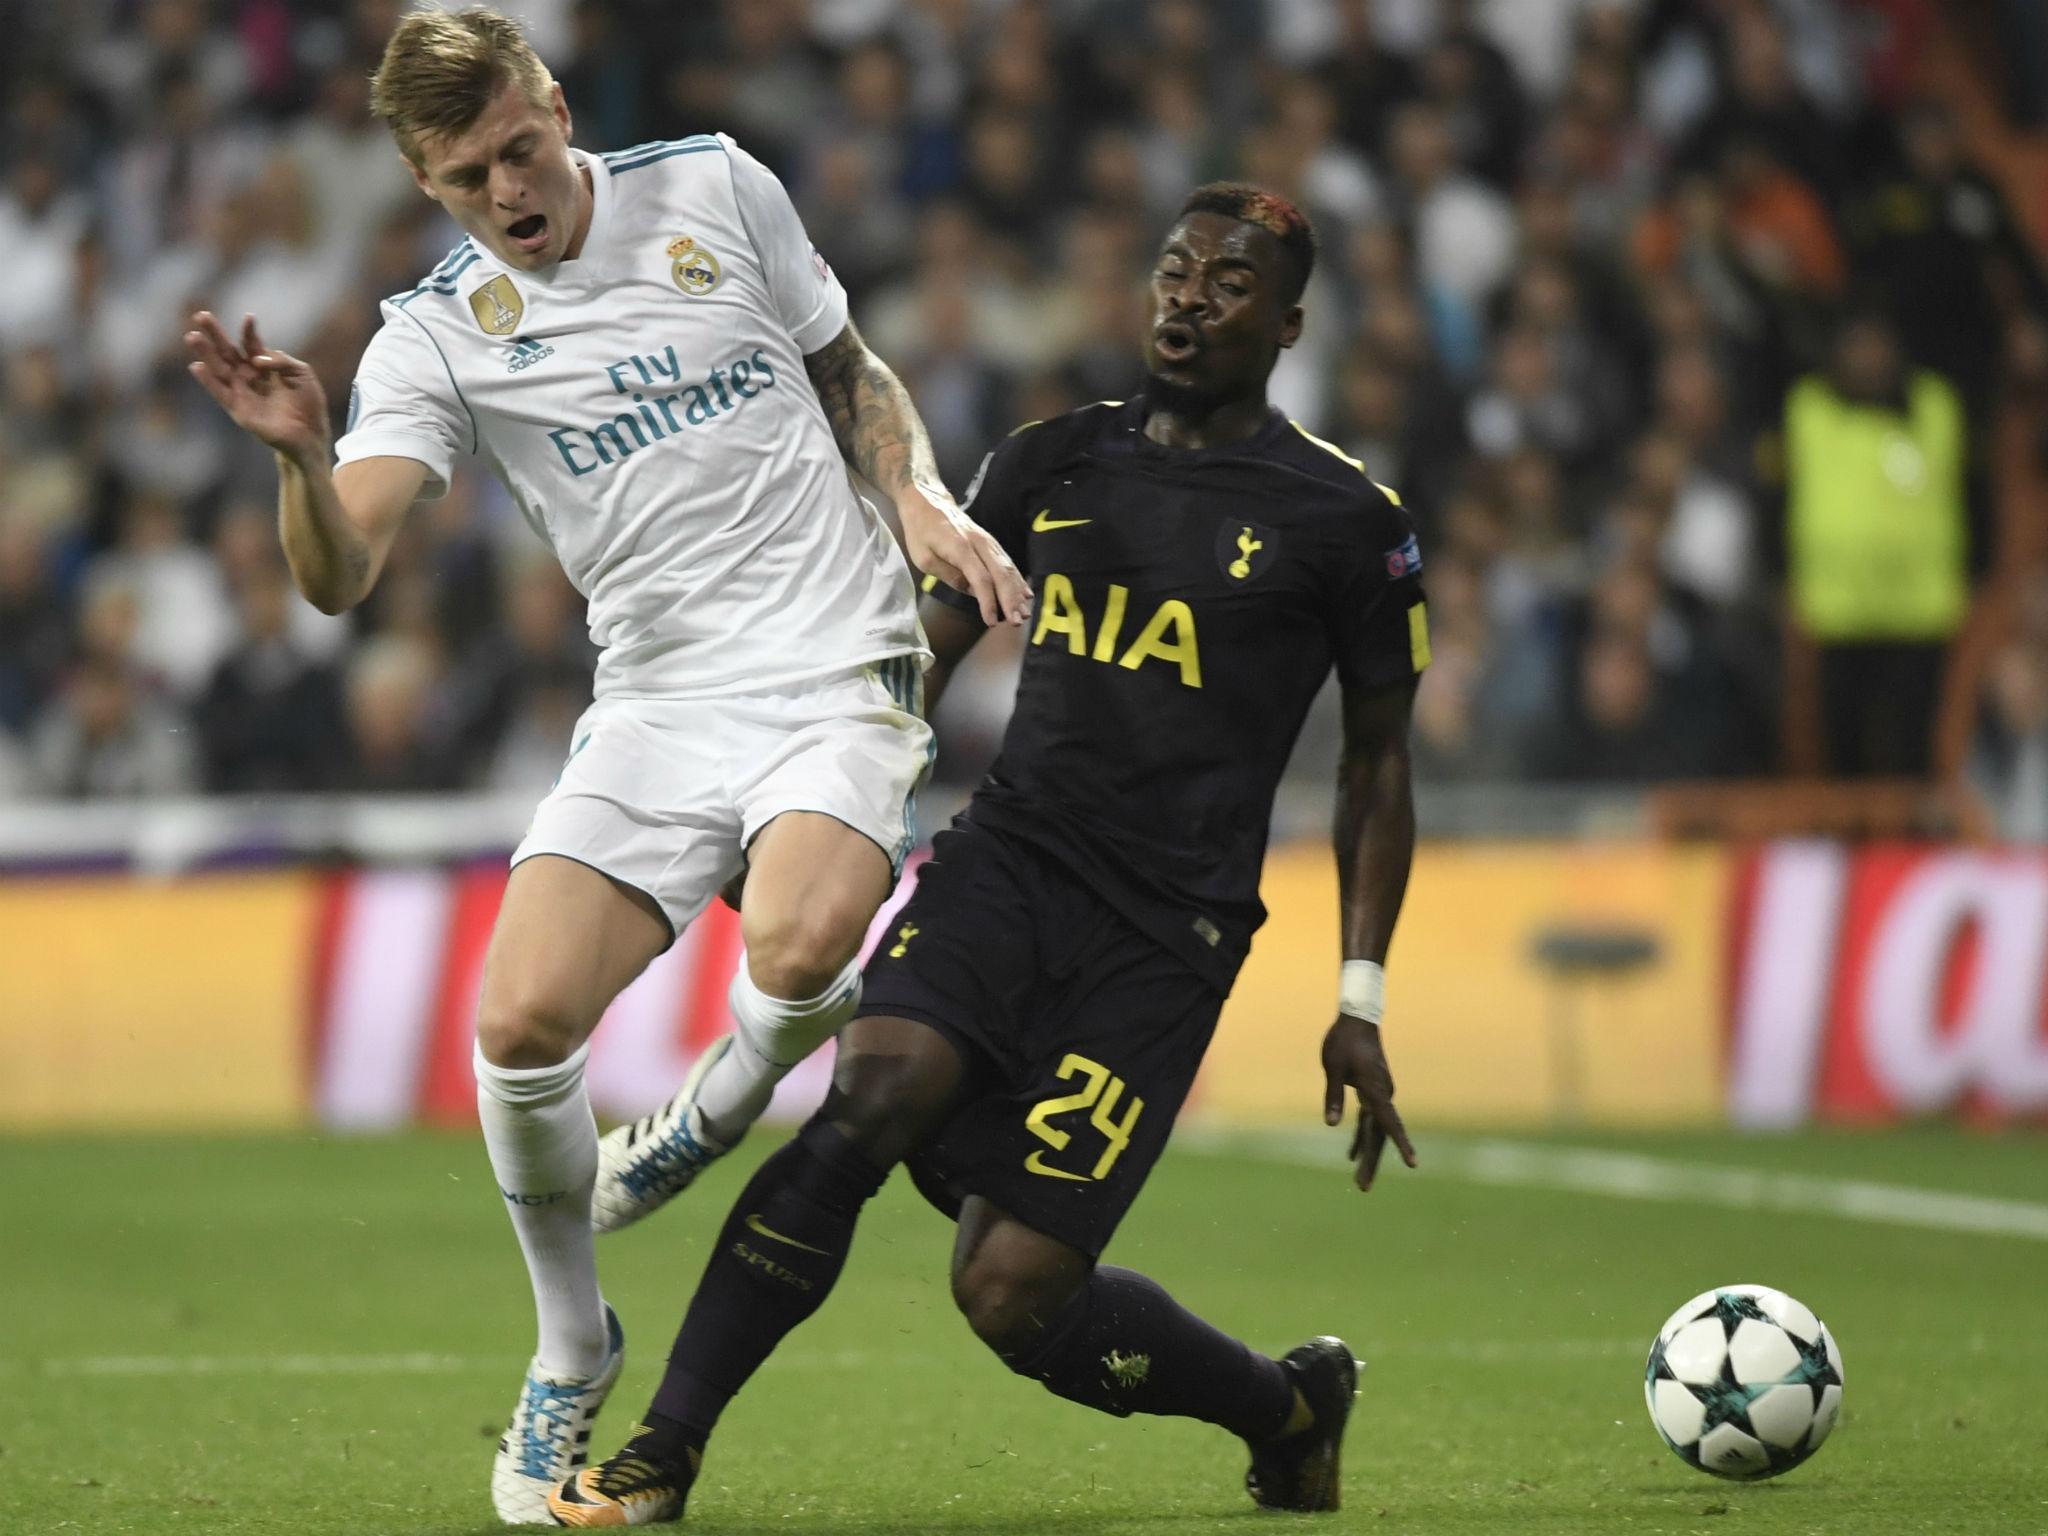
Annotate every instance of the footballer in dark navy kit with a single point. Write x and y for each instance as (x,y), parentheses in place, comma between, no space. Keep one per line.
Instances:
(1032,1024)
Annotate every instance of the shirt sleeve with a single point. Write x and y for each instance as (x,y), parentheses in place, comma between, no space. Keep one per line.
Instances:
(404,404)
(997,499)
(808,298)
(1379,620)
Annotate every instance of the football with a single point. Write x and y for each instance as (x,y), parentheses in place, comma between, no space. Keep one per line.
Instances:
(1744,1382)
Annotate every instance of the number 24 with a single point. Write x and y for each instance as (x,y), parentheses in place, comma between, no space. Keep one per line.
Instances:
(1100,1093)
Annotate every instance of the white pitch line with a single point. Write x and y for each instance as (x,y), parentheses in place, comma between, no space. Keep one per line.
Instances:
(409,1364)
(1480,1351)
(1470,1351)
(415,1364)
(1633,1176)
(1513,1164)
(1506,1351)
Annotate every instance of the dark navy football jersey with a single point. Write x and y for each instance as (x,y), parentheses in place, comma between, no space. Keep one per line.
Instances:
(1190,604)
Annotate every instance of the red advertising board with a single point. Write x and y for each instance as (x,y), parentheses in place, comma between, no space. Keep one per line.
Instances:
(1868,985)
(1880,983)
(397,966)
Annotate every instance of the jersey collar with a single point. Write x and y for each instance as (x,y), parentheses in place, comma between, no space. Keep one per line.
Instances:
(1273,429)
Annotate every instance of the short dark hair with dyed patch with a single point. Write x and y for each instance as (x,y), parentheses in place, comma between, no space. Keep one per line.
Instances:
(1269,211)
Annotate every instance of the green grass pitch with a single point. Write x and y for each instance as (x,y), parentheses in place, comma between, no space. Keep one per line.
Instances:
(317,1334)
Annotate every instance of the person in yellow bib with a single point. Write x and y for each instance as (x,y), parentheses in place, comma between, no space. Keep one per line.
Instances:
(1877,533)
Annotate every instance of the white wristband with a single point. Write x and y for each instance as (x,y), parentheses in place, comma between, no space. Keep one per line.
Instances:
(1362,991)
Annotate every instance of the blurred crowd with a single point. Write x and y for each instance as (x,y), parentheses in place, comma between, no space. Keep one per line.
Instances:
(1666,317)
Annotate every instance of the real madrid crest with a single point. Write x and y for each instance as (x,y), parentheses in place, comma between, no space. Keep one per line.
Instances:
(497,306)
(694,269)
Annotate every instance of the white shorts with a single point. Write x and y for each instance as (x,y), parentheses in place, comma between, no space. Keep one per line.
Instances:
(665,795)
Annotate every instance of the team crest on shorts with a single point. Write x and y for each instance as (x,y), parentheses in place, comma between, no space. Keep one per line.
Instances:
(1244,550)
(497,306)
(694,269)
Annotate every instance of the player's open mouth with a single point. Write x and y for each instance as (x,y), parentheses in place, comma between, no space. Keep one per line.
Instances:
(529,233)
(1176,343)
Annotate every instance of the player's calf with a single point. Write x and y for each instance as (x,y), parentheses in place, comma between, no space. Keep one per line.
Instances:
(812,889)
(773,1264)
(1108,1338)
(1014,1285)
(774,1032)
(786,1238)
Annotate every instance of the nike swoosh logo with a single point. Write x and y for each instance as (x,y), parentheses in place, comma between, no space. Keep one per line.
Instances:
(756,1224)
(1033,1165)
(1045,523)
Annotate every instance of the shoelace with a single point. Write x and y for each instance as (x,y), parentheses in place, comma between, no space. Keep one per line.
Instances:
(676,1151)
(543,1404)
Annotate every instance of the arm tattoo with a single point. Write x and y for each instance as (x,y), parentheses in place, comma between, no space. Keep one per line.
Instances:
(876,426)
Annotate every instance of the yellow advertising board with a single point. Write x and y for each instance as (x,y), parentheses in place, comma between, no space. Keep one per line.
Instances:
(140,1004)
(1529,984)
(195,1002)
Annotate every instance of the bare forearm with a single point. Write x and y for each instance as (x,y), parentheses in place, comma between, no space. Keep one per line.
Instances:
(873,420)
(1375,844)
(329,559)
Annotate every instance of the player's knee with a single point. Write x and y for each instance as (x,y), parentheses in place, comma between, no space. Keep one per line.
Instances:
(882,1107)
(1009,1299)
(524,1033)
(800,954)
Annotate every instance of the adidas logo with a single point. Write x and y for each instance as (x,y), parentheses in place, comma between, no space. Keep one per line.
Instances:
(526,352)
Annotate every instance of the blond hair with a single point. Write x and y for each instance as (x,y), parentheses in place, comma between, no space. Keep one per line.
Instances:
(441,69)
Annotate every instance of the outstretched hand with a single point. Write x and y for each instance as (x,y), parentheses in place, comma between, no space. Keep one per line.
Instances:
(1354,1058)
(269,394)
(945,542)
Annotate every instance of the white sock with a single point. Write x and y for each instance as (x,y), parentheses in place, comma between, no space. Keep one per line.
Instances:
(772,1035)
(543,1146)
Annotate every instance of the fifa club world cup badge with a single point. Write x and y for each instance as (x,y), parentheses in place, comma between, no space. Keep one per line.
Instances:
(497,306)
(694,269)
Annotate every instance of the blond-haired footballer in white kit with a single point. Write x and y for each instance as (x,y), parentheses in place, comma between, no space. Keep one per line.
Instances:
(645,349)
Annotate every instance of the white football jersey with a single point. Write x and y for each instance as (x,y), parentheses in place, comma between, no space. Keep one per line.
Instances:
(647,407)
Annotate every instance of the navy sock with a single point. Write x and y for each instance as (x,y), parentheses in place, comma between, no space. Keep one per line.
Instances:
(1124,1346)
(780,1251)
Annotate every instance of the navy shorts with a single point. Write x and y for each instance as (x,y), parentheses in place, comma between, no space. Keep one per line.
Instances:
(1082,1036)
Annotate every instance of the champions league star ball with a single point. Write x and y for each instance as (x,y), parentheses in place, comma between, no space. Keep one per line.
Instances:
(1744,1382)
